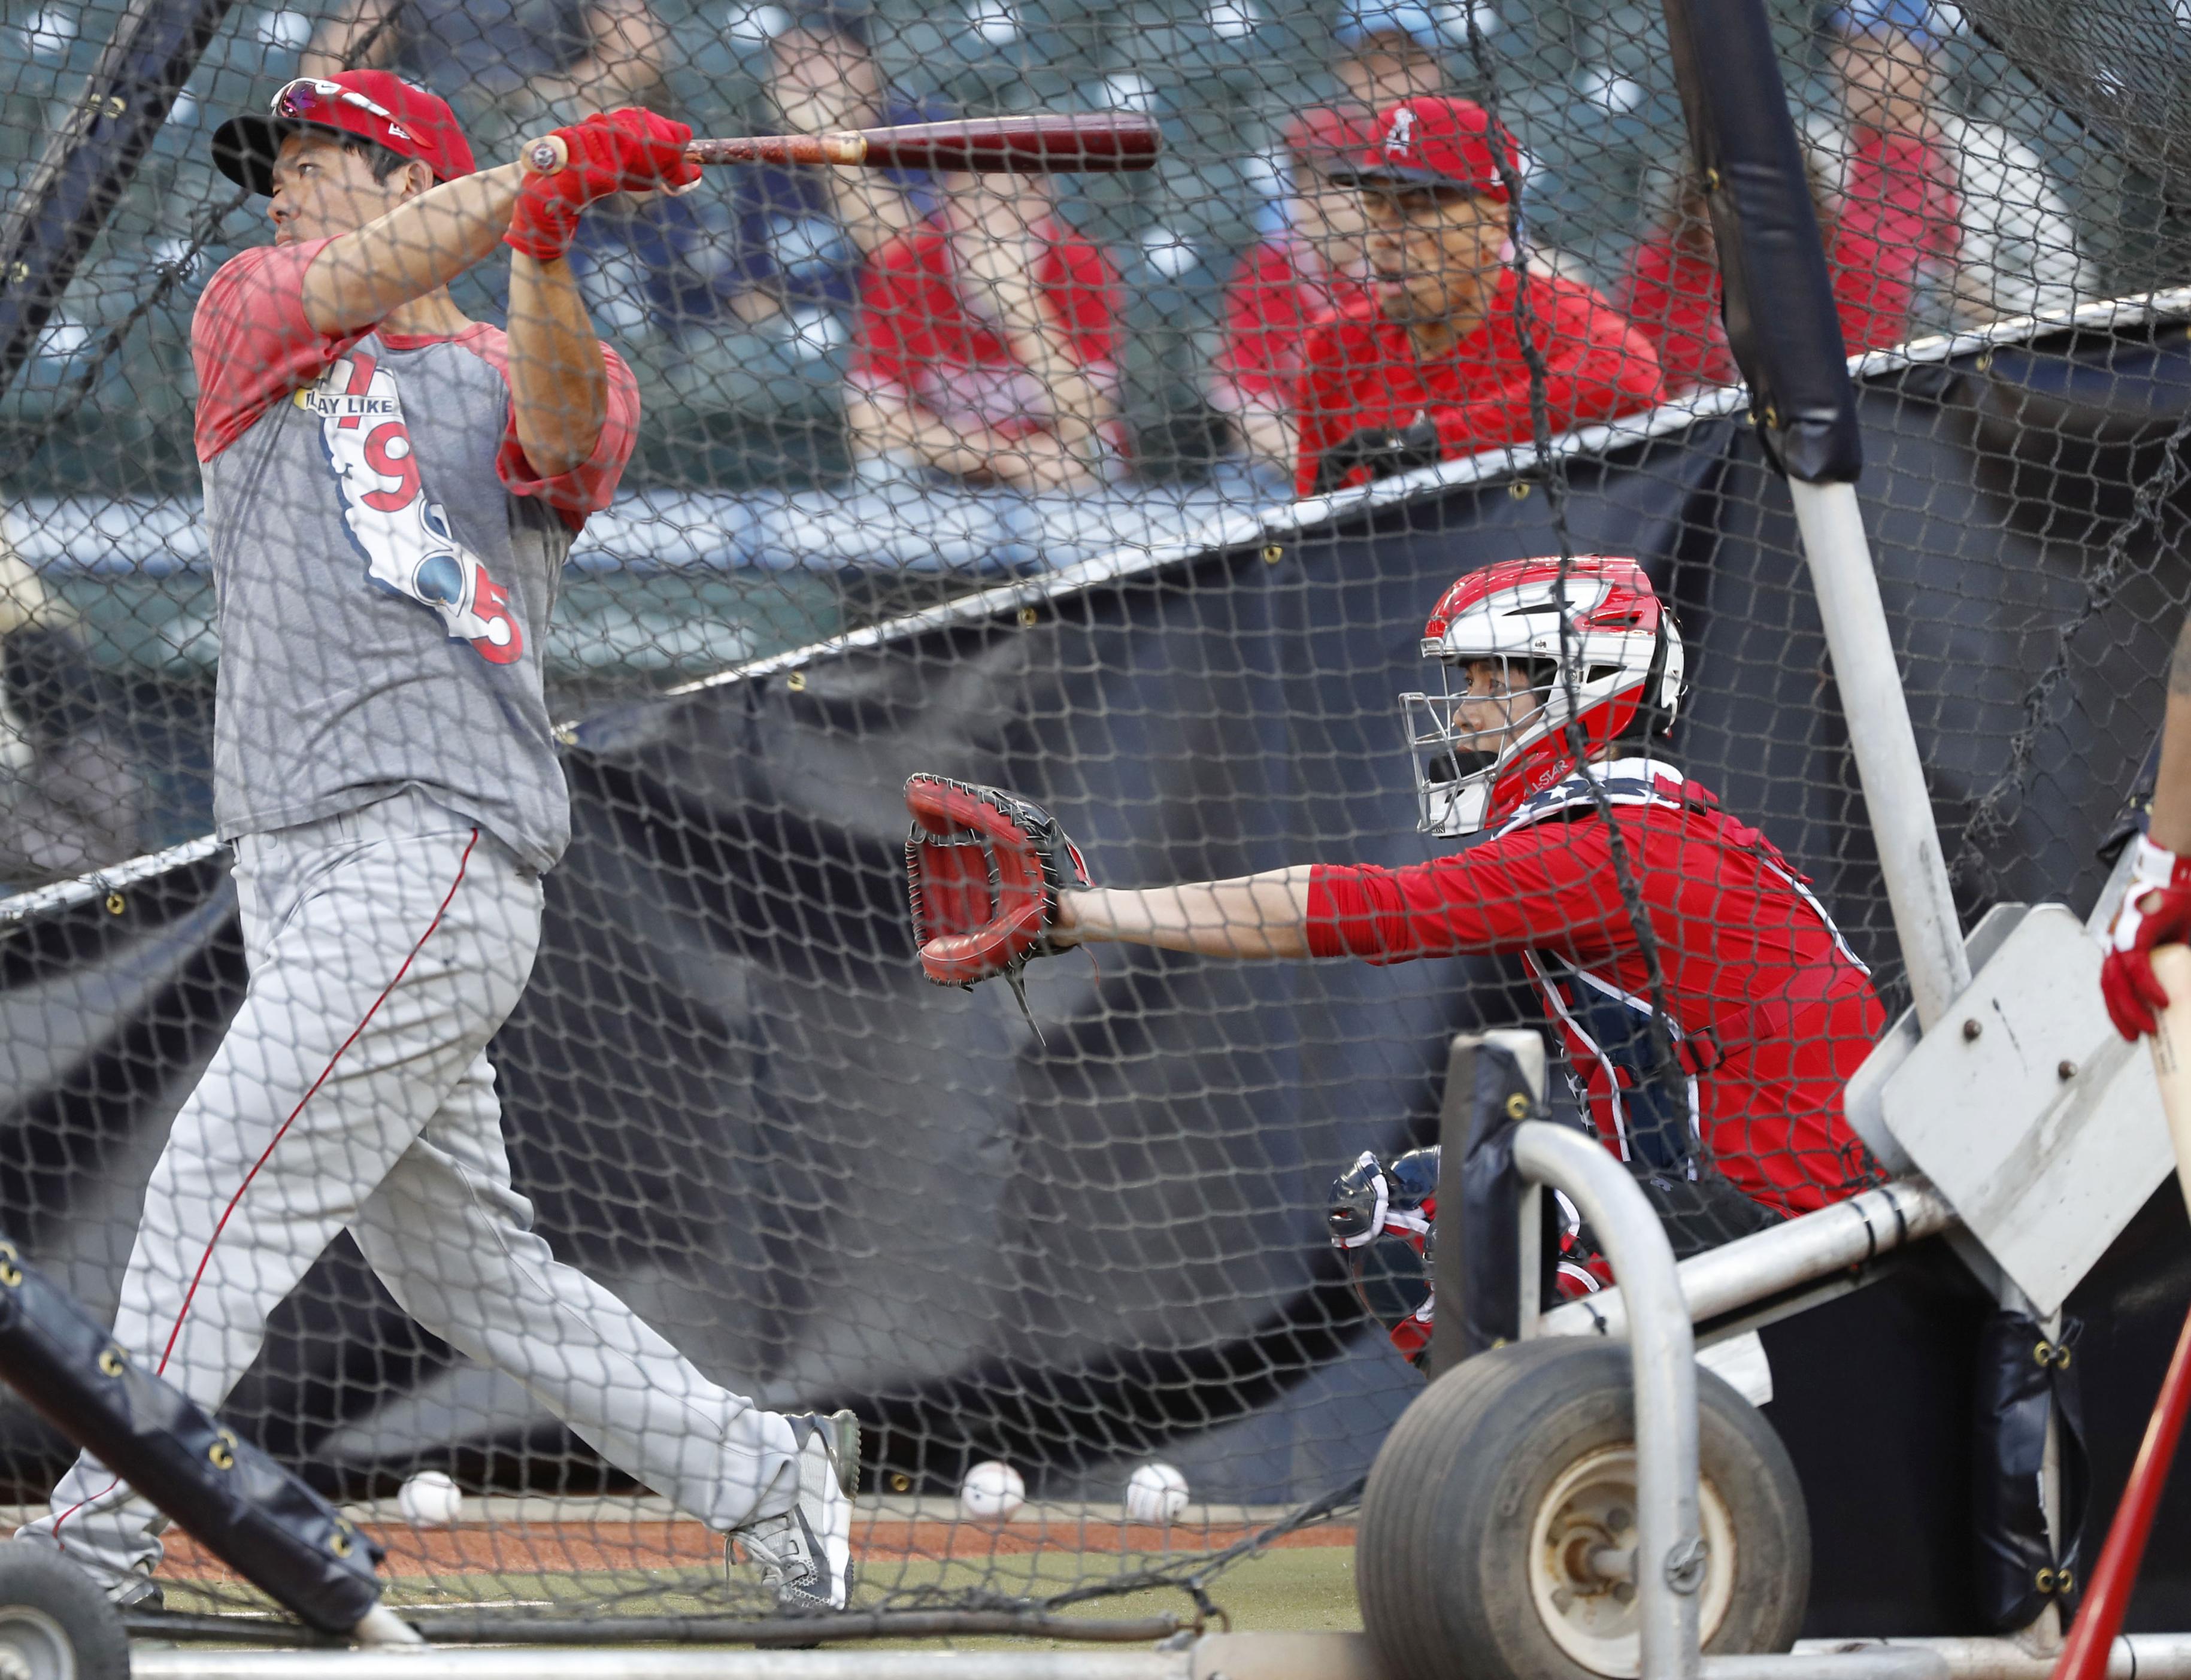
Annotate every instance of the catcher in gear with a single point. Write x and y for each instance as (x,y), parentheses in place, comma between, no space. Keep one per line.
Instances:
(1540,669)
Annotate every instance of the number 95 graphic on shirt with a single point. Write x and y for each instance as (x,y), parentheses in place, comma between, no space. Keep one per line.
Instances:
(409,549)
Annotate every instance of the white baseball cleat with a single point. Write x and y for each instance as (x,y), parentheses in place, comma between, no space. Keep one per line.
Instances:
(806,1555)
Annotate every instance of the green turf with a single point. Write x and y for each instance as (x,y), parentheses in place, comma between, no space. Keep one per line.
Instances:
(1303,1590)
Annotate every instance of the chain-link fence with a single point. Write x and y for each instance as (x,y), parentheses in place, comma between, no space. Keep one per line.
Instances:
(994,477)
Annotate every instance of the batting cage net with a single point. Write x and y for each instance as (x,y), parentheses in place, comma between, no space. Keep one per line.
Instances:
(563,1173)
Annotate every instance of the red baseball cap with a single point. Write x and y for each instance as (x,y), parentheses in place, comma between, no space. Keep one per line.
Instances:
(1326,134)
(1429,141)
(372,105)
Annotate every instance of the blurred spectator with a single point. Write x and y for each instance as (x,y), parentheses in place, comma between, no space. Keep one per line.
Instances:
(71,797)
(781,241)
(1672,291)
(531,64)
(517,68)
(1940,223)
(987,345)
(1429,365)
(797,237)
(1289,283)
(1388,52)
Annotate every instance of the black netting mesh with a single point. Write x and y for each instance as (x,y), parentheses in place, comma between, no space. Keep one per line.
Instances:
(994,477)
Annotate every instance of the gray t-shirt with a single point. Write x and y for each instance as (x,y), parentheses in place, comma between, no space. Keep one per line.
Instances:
(385,561)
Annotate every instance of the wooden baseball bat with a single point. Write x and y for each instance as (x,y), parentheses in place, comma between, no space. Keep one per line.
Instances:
(2171,1053)
(1047,144)
(2084,1657)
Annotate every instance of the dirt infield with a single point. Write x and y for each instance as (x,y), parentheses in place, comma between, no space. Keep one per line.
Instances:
(650,1544)
(613,1558)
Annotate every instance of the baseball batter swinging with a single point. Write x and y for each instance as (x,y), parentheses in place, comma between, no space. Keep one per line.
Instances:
(390,490)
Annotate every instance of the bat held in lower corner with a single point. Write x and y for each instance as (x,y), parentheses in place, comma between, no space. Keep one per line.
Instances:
(2107,1596)
(1050,143)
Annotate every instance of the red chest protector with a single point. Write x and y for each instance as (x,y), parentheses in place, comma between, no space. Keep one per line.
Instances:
(1645,1101)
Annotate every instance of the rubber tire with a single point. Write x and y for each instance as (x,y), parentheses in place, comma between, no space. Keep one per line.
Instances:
(1441,1564)
(38,1583)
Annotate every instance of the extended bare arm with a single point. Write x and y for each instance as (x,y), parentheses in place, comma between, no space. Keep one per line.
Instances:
(1255,916)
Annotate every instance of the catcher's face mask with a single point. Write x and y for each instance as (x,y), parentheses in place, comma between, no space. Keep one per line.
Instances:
(1460,737)
(1589,639)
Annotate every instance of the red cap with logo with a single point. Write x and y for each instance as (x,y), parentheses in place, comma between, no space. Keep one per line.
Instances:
(1429,141)
(370,104)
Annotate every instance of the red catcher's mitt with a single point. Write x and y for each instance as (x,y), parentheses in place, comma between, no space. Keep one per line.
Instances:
(983,869)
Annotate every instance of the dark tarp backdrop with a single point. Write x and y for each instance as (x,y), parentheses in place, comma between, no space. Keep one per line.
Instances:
(827,1181)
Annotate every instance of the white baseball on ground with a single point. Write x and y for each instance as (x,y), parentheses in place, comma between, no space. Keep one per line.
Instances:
(1155,1493)
(992,1491)
(429,1500)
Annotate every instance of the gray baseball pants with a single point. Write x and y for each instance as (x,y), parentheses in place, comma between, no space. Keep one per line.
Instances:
(353,1090)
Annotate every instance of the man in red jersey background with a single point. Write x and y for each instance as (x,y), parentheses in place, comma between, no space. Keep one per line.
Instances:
(1289,283)
(987,343)
(1939,222)
(1429,365)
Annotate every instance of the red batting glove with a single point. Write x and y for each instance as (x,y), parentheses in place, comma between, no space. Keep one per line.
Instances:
(653,149)
(2155,910)
(628,150)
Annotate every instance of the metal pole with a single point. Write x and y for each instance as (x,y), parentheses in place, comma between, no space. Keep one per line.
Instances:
(1670,1551)
(1883,744)
(2133,1656)
(630,1662)
(1885,747)
(1871,1662)
(1752,1268)
(2136,1656)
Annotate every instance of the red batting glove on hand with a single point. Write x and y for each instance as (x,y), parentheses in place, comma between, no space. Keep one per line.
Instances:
(2155,910)
(653,150)
(629,150)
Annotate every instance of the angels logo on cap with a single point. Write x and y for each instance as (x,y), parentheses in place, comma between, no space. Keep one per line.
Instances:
(1400,136)
(1438,142)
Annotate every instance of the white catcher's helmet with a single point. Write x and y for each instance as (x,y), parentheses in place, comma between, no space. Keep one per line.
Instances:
(1621,646)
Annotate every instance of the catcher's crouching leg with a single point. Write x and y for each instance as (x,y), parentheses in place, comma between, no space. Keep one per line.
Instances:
(1382,1217)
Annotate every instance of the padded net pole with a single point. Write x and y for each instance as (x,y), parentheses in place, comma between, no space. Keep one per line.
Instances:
(1883,744)
(89,160)
(1785,332)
